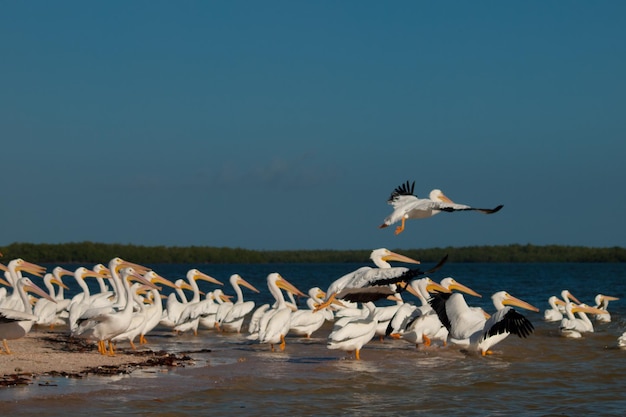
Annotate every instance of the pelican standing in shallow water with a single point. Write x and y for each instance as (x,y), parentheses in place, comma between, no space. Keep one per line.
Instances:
(306,321)
(189,318)
(406,206)
(472,329)
(355,333)
(572,326)
(103,324)
(275,323)
(231,319)
(602,303)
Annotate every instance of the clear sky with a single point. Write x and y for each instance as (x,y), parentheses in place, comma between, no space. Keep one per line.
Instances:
(287,124)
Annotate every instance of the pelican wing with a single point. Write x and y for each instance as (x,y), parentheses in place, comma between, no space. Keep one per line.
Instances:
(406,189)
(438,303)
(8,315)
(363,295)
(379,277)
(462,207)
(508,320)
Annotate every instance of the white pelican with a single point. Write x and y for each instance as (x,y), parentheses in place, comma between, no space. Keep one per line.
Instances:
(406,205)
(48,311)
(149,314)
(13,273)
(602,303)
(189,318)
(154,309)
(371,284)
(503,322)
(232,319)
(572,326)
(255,321)
(275,323)
(355,333)
(470,327)
(420,324)
(84,301)
(384,314)
(103,324)
(210,306)
(174,307)
(306,321)
(621,341)
(557,306)
(554,313)
(17,322)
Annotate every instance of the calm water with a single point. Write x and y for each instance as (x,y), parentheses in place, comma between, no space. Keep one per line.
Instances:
(545,374)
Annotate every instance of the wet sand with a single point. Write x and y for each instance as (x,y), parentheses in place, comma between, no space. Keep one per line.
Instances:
(51,352)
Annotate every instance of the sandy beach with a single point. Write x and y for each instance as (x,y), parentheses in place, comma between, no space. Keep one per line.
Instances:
(49,352)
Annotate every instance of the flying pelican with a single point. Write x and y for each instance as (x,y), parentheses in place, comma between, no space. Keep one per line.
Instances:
(602,302)
(355,333)
(471,328)
(17,322)
(572,326)
(406,205)
(232,319)
(275,323)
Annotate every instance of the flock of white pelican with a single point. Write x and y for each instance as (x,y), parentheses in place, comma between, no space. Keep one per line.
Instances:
(129,303)
(572,315)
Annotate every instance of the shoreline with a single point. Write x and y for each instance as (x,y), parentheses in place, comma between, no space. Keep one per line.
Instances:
(45,352)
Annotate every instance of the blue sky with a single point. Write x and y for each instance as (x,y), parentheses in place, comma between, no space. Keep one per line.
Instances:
(287,124)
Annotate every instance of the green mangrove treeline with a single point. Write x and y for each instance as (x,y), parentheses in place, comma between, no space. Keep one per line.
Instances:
(90,252)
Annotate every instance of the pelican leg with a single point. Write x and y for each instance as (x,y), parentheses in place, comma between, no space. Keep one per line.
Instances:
(142,339)
(282,342)
(426,340)
(400,228)
(101,348)
(272,346)
(132,345)
(357,354)
(6,347)
(111,350)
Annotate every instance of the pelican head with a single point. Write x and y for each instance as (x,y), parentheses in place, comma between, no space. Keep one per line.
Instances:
(196,275)
(503,298)
(236,279)
(452,284)
(382,256)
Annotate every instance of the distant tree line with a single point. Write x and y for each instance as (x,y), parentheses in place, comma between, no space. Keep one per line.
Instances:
(90,252)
